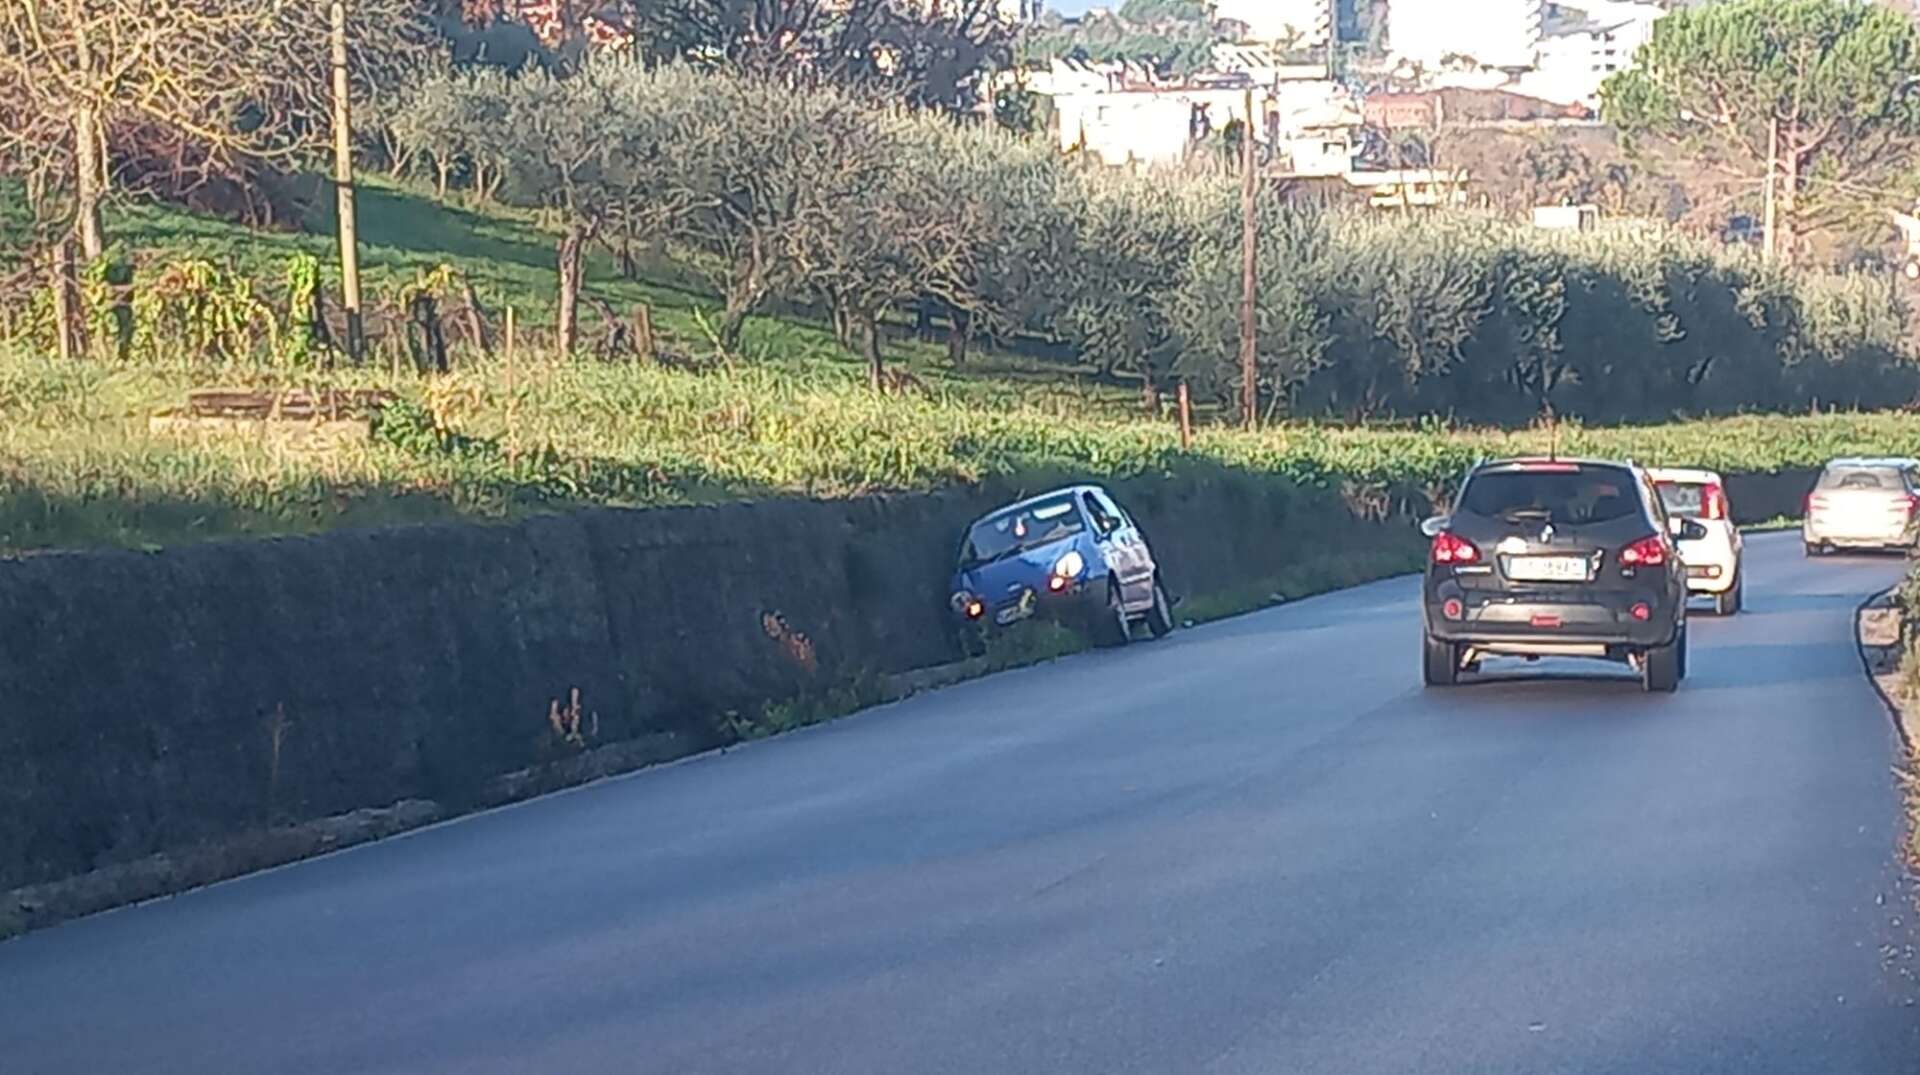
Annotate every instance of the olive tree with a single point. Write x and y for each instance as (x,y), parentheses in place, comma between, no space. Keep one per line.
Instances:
(1134,238)
(753,169)
(1017,202)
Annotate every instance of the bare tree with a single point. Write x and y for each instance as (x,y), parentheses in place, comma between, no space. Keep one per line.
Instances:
(232,77)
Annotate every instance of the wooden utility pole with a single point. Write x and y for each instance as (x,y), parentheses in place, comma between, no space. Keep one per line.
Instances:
(1772,210)
(1249,275)
(343,185)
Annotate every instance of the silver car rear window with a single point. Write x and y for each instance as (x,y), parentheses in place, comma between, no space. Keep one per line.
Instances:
(1885,478)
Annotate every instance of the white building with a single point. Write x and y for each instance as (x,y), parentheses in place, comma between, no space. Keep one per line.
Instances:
(1585,47)
(1313,124)
(1489,33)
(1294,23)
(1013,12)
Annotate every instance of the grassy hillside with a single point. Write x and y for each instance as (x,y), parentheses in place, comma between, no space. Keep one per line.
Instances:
(509,257)
(80,466)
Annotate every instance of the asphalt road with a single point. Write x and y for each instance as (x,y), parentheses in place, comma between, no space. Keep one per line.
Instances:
(1256,847)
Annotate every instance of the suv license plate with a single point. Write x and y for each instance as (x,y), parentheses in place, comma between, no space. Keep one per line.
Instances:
(1547,568)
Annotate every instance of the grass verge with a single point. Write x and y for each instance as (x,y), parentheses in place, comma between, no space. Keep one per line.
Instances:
(80,464)
(1889,638)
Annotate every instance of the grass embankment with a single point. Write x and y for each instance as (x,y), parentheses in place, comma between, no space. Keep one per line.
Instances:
(790,414)
(79,466)
(1890,639)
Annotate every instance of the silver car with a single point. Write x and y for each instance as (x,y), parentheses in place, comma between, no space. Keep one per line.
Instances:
(1863,504)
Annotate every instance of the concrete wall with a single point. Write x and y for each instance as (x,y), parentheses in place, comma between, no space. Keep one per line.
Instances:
(150,702)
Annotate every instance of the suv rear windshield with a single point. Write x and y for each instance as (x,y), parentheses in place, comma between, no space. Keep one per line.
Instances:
(1860,478)
(1564,497)
(998,536)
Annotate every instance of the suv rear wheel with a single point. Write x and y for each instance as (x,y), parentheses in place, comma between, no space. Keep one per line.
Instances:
(1662,667)
(1440,662)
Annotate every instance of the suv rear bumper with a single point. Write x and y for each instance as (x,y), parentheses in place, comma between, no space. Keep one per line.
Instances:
(1549,624)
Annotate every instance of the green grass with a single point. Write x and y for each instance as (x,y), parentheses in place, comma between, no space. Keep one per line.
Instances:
(78,465)
(508,255)
(1310,578)
(791,415)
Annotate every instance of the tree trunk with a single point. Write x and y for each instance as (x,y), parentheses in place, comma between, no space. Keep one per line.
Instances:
(733,321)
(1789,205)
(870,338)
(440,164)
(476,318)
(90,180)
(743,295)
(569,316)
(1149,395)
(959,335)
(843,327)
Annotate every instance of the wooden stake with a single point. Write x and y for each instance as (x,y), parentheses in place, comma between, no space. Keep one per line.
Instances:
(66,312)
(513,397)
(643,339)
(1186,419)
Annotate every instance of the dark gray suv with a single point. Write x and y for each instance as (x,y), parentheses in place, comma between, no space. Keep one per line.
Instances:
(1557,558)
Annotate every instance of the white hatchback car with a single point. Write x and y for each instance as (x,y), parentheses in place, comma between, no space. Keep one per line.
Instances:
(1864,504)
(1713,562)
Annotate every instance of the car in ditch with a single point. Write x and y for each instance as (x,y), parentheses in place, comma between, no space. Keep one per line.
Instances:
(1072,555)
(1863,503)
(1714,562)
(1557,558)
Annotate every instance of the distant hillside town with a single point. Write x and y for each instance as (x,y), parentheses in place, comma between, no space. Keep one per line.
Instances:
(1324,75)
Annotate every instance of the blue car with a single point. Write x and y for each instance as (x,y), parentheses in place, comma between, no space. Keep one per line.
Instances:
(1072,555)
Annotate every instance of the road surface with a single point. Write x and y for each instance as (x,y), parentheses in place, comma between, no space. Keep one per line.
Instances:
(1256,847)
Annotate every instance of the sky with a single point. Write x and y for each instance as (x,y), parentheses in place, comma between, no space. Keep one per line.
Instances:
(1077,7)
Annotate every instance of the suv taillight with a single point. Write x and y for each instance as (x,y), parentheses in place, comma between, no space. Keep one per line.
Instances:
(1713,502)
(1647,552)
(1453,549)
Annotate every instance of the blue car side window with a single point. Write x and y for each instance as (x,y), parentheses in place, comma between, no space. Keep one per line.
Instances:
(1104,524)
